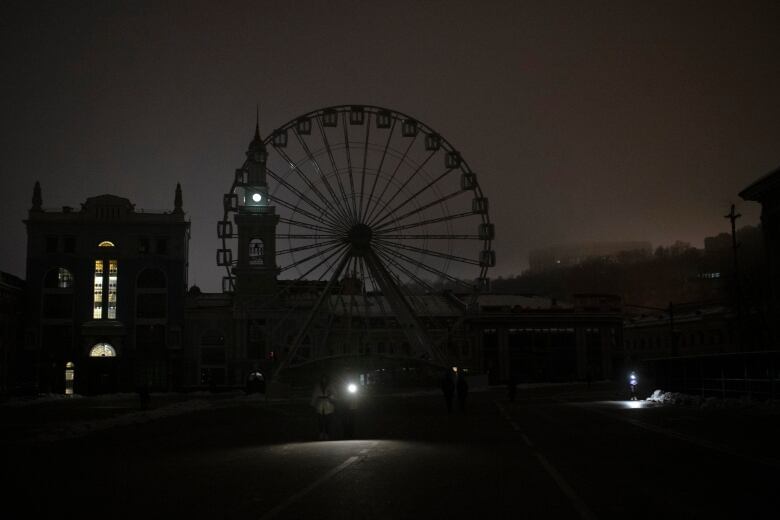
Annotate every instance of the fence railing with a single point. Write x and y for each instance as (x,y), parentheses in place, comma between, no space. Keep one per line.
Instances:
(752,375)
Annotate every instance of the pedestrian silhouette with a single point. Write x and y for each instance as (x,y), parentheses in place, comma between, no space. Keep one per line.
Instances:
(463,392)
(323,400)
(448,388)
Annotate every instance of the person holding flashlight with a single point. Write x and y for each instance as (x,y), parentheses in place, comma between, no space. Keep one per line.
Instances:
(323,400)
(632,383)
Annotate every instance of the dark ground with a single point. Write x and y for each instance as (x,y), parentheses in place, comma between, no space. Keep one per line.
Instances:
(557,452)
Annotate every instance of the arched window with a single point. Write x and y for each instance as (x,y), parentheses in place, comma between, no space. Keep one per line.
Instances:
(151,279)
(256,251)
(102,350)
(59,278)
(106,243)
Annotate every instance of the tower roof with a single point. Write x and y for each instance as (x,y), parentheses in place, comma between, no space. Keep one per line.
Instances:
(257,142)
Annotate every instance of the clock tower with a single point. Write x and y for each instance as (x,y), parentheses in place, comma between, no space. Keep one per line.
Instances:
(256,220)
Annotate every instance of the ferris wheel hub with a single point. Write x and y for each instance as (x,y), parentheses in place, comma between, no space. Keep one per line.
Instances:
(359,237)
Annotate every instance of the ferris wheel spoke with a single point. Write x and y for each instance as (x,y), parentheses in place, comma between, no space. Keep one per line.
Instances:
(307,225)
(365,158)
(429,221)
(341,209)
(344,196)
(292,189)
(409,199)
(431,270)
(401,162)
(416,210)
(331,255)
(379,215)
(291,284)
(308,246)
(387,256)
(430,237)
(310,257)
(349,165)
(364,294)
(304,236)
(430,252)
(309,184)
(376,290)
(298,210)
(381,164)
(313,314)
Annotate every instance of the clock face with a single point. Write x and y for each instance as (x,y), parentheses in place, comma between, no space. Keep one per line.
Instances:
(256,197)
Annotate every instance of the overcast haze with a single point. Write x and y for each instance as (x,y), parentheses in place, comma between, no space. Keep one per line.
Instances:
(584,120)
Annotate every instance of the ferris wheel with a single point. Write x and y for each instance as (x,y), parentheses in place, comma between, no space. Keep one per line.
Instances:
(376,209)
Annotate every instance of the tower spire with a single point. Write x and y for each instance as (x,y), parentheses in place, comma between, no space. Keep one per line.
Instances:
(37,199)
(256,151)
(177,201)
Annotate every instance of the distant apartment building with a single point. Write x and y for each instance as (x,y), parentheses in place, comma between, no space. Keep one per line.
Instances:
(566,255)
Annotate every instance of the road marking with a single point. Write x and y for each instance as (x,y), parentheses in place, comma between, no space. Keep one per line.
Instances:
(579,505)
(702,443)
(564,486)
(300,494)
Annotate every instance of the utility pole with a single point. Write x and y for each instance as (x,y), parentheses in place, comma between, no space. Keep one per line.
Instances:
(672,335)
(733,216)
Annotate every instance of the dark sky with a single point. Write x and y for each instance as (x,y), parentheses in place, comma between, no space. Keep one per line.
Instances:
(611,120)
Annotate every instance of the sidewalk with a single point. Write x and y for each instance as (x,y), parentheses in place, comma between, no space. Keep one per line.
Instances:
(52,417)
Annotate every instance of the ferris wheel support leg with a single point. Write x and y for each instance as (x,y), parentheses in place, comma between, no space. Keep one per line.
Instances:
(310,318)
(411,326)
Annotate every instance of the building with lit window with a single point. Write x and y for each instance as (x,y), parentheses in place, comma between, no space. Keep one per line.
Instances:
(105,295)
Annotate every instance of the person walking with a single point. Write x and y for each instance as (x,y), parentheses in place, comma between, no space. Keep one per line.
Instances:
(323,400)
(448,388)
(463,391)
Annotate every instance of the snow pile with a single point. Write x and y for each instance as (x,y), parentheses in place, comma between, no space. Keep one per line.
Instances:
(80,428)
(77,429)
(675,398)
(16,402)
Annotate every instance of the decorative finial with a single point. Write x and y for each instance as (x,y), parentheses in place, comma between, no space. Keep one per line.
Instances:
(37,199)
(177,202)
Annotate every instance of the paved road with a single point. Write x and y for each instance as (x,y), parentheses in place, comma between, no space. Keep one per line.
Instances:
(554,453)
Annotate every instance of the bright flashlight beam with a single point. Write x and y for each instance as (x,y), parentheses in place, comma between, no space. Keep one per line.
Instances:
(352,388)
